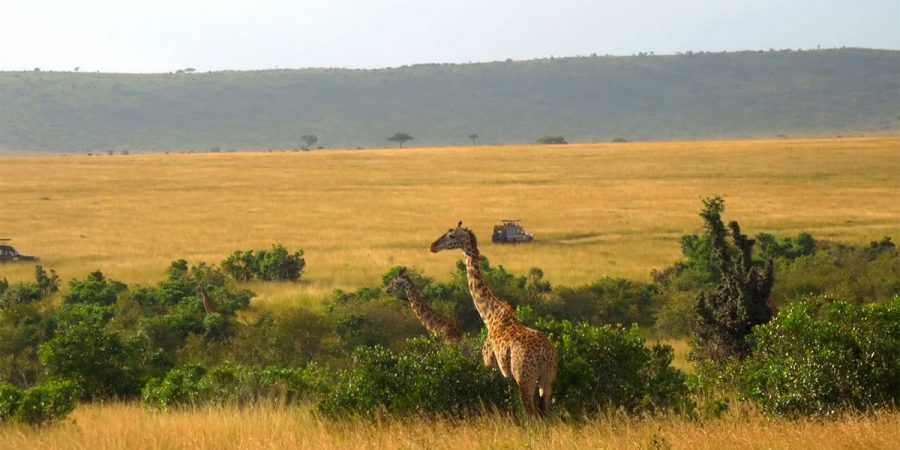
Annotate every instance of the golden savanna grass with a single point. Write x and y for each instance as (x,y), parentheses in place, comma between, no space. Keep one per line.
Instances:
(598,209)
(128,426)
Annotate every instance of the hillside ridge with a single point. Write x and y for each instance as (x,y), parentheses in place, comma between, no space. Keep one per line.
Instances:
(705,95)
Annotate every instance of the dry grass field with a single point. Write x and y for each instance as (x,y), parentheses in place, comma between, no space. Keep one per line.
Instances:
(128,426)
(600,209)
(605,209)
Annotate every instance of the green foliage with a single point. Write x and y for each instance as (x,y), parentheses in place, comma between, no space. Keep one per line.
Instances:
(291,337)
(95,290)
(48,283)
(606,301)
(236,385)
(10,396)
(371,317)
(611,367)
(817,359)
(25,323)
(741,298)
(770,247)
(551,140)
(427,377)
(267,265)
(693,96)
(39,405)
(855,274)
(46,403)
(84,351)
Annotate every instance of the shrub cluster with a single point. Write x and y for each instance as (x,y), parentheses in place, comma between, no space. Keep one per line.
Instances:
(267,265)
(237,385)
(427,377)
(611,367)
(39,405)
(816,359)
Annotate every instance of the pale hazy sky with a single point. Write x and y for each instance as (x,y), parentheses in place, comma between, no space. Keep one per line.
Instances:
(165,35)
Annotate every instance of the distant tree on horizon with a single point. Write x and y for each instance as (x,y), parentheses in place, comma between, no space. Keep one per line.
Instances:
(400,137)
(473,136)
(309,139)
(551,140)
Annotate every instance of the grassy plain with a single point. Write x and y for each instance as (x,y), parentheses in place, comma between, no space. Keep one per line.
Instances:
(121,426)
(598,209)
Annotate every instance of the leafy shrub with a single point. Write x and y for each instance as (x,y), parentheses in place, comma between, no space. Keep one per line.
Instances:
(195,386)
(46,403)
(427,377)
(606,301)
(610,367)
(99,362)
(818,360)
(291,337)
(267,265)
(96,289)
(10,396)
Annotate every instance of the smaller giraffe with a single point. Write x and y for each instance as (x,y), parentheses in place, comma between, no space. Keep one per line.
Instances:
(433,321)
(207,303)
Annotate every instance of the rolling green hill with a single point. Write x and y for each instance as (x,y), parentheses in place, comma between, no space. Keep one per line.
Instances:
(597,98)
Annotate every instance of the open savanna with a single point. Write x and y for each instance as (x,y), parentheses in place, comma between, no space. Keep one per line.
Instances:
(129,426)
(595,209)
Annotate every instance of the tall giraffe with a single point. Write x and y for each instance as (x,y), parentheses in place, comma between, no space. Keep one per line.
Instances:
(207,303)
(431,319)
(518,351)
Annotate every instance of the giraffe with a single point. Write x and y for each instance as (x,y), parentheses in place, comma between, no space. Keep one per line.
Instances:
(207,303)
(516,350)
(431,319)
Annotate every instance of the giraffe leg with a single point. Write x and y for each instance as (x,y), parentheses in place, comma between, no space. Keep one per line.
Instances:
(526,392)
(487,353)
(503,360)
(545,390)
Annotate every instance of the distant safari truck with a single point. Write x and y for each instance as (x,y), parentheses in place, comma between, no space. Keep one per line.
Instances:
(510,232)
(9,254)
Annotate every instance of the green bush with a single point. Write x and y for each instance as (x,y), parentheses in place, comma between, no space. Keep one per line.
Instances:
(10,396)
(39,405)
(611,367)
(267,265)
(606,301)
(84,351)
(46,403)
(96,289)
(818,360)
(427,377)
(236,385)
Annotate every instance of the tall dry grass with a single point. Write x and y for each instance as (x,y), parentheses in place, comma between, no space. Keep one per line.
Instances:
(128,426)
(603,209)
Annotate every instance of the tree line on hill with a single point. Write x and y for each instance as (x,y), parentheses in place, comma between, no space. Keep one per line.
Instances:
(585,99)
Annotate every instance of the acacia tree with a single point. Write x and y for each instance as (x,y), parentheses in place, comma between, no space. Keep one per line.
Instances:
(741,299)
(309,139)
(473,136)
(400,138)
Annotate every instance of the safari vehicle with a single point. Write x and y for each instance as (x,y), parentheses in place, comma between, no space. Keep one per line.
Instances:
(510,232)
(9,254)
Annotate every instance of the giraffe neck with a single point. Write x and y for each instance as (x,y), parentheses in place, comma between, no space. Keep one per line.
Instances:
(207,303)
(420,308)
(491,308)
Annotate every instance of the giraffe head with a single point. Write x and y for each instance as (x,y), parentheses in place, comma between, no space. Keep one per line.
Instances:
(400,283)
(458,237)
